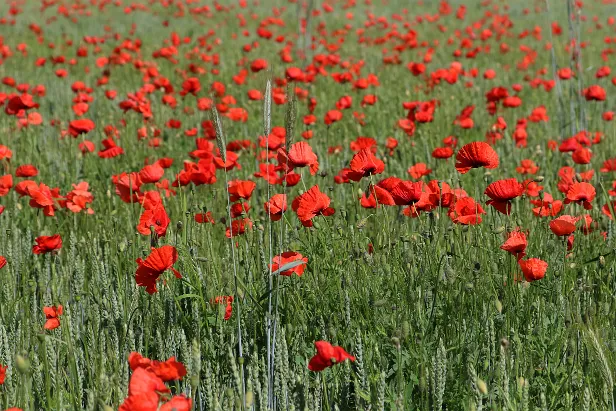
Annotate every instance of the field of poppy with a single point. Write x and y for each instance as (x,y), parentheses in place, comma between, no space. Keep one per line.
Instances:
(307,204)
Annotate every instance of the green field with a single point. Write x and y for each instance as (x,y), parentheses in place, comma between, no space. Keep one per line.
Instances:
(428,186)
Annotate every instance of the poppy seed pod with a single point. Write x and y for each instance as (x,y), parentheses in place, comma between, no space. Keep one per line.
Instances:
(481,386)
(179,225)
(22,364)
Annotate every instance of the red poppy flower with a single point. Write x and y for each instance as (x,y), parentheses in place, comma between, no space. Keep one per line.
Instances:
(474,155)
(241,189)
(594,93)
(79,198)
(533,269)
(143,391)
(310,204)
(442,152)
(151,173)
(41,196)
(527,167)
(204,218)
(5,153)
(18,103)
(406,192)
(419,170)
(127,186)
(26,170)
(154,217)
(169,370)
(52,315)
(364,164)
(582,193)
(150,269)
(609,209)
(111,149)
(6,183)
(286,258)
(46,244)
(276,206)
(332,116)
(466,211)
(327,355)
(224,300)
(300,155)
(563,225)
(82,126)
(238,227)
(502,192)
(2,261)
(516,244)
(3,369)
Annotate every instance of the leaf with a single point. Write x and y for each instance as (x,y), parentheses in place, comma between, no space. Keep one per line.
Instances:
(288,266)
(184,296)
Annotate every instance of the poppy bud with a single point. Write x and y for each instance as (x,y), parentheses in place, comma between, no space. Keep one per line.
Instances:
(107,408)
(572,265)
(41,337)
(498,230)
(323,173)
(194,380)
(499,306)
(504,342)
(538,179)
(396,342)
(481,386)
(406,329)
(22,364)
(578,177)
(601,261)
(522,382)
(249,399)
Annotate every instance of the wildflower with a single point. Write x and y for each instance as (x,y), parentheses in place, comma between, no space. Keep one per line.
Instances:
(563,225)
(52,315)
(533,269)
(501,193)
(276,206)
(47,244)
(226,300)
(150,269)
(327,355)
(287,258)
(310,204)
(466,211)
(474,155)
(516,244)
